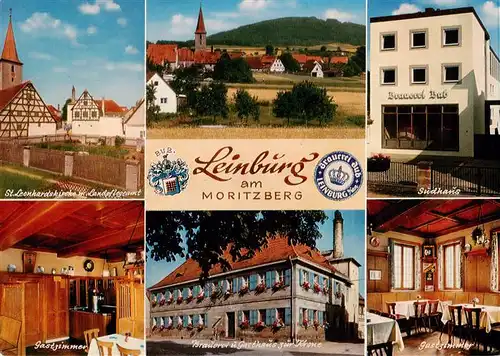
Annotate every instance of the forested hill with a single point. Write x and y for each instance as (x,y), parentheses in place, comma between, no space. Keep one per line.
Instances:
(290,31)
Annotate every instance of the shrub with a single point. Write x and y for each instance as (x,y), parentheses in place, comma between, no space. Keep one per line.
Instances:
(358,120)
(119,141)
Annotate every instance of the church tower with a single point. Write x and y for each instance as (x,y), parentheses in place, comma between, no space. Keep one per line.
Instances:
(11,68)
(200,35)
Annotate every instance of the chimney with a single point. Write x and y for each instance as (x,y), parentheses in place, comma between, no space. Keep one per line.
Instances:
(103,107)
(73,94)
(338,235)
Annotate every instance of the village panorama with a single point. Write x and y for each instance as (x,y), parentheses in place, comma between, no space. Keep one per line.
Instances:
(217,88)
(89,147)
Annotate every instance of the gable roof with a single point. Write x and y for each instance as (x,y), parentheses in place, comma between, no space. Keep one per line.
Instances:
(110,106)
(132,111)
(268,59)
(185,54)
(338,59)
(310,65)
(149,75)
(254,62)
(301,58)
(9,52)
(159,53)
(56,114)
(200,26)
(206,57)
(6,95)
(277,250)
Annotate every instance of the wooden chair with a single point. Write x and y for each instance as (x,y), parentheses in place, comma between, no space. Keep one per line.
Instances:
(433,314)
(380,349)
(400,318)
(88,335)
(419,317)
(473,329)
(105,345)
(454,324)
(127,352)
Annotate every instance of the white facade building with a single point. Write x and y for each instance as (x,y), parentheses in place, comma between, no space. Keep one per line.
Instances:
(317,71)
(166,98)
(434,78)
(277,66)
(134,123)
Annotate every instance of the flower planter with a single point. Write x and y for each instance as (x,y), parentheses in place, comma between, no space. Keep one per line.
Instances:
(179,300)
(379,163)
(259,326)
(306,285)
(260,288)
(244,325)
(317,288)
(277,286)
(243,290)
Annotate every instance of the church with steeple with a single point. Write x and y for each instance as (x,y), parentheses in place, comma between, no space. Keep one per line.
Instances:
(23,113)
(200,35)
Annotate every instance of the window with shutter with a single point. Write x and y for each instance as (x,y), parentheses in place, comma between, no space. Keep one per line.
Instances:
(310,315)
(235,285)
(269,279)
(195,319)
(301,316)
(288,277)
(184,320)
(269,317)
(301,277)
(205,319)
(184,293)
(320,281)
(311,279)
(288,316)
(320,317)
(240,317)
(253,281)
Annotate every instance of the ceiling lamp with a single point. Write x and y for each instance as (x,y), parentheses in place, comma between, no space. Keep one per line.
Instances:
(478,235)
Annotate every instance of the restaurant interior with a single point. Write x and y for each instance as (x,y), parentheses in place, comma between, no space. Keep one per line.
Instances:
(72,277)
(432,277)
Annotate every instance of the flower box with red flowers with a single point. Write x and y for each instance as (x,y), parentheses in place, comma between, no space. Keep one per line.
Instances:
(189,326)
(260,288)
(244,324)
(214,295)
(316,288)
(379,163)
(171,299)
(154,328)
(305,323)
(278,324)
(259,325)
(243,290)
(189,298)
(162,327)
(179,326)
(316,324)
(227,294)
(306,285)
(200,297)
(325,290)
(200,327)
(153,303)
(162,302)
(278,285)
(170,326)
(179,300)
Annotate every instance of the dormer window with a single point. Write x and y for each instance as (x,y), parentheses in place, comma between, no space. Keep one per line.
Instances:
(12,69)
(388,41)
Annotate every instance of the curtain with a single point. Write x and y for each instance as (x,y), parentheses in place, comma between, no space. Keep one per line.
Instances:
(418,267)
(391,263)
(440,261)
(494,262)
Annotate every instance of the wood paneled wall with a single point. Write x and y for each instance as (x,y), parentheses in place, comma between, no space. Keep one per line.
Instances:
(477,274)
(378,261)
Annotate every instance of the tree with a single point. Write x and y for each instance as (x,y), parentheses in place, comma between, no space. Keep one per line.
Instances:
(246,105)
(152,110)
(290,63)
(323,49)
(205,235)
(211,100)
(64,112)
(232,70)
(187,81)
(269,50)
(306,101)
(154,67)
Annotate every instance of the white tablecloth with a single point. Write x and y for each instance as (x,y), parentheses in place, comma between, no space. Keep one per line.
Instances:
(489,315)
(407,309)
(132,343)
(380,330)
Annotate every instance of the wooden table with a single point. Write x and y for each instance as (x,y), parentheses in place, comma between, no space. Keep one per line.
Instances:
(407,309)
(490,314)
(381,330)
(132,344)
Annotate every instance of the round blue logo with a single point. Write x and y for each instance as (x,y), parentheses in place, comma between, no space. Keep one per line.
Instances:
(338,175)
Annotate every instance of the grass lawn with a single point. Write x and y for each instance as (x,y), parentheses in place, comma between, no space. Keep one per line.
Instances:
(26,180)
(285,80)
(109,151)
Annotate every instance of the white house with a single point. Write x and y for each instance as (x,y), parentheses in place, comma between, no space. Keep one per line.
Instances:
(86,116)
(277,66)
(166,98)
(434,83)
(134,123)
(313,68)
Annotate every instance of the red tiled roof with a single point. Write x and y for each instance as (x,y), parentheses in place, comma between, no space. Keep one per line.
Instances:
(185,54)
(315,58)
(200,26)
(6,95)
(268,59)
(301,58)
(56,114)
(309,65)
(206,57)
(110,106)
(159,53)
(9,52)
(254,62)
(342,59)
(235,55)
(149,75)
(277,250)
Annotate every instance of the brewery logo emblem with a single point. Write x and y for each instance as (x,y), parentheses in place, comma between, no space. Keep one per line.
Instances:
(169,176)
(338,175)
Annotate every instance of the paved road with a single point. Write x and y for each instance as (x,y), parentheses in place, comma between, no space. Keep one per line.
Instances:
(224,348)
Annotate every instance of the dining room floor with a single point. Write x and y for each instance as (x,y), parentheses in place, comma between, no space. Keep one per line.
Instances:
(429,344)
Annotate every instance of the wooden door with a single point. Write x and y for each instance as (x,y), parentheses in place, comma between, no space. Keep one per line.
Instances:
(57,298)
(130,308)
(34,315)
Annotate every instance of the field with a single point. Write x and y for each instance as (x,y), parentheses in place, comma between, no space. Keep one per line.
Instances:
(330,132)
(261,50)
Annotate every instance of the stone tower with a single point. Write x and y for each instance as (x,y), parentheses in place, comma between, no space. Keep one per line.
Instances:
(338,235)
(11,68)
(200,35)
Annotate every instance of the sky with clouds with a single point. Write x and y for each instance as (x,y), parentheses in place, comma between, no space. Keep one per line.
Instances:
(354,246)
(92,44)
(488,11)
(176,20)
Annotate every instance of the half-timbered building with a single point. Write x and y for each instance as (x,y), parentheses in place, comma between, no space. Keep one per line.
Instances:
(22,111)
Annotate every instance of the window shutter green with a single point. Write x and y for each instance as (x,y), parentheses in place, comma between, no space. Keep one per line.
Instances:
(288,316)
(288,277)
(301,277)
